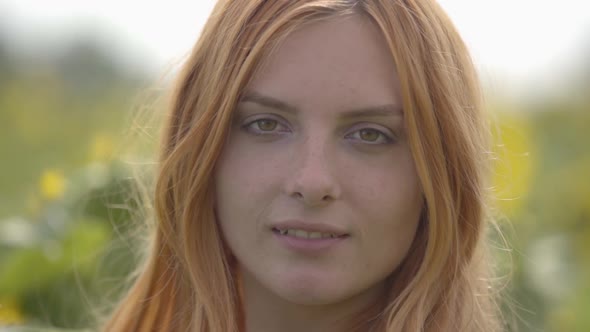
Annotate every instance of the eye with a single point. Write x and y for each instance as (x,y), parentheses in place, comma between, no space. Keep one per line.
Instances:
(371,136)
(265,126)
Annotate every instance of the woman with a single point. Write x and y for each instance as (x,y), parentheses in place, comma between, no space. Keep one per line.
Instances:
(322,169)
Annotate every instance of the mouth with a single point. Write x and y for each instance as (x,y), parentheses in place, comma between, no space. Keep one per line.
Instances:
(306,234)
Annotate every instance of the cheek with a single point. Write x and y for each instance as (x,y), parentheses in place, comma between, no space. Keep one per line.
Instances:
(246,165)
(245,182)
(389,186)
(389,203)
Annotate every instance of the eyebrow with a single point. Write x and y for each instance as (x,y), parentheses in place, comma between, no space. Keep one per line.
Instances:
(369,111)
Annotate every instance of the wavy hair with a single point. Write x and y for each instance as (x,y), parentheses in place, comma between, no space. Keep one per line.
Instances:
(190,280)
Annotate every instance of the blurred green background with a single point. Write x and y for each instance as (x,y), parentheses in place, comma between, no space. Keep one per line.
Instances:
(69,149)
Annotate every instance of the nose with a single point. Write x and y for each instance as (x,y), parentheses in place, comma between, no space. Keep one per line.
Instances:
(311,179)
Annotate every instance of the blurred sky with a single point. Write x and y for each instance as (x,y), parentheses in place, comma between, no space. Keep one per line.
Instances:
(524,43)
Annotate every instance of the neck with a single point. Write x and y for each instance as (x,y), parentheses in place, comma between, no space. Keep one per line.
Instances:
(266,312)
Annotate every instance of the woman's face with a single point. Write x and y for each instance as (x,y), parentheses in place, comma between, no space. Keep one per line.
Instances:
(316,189)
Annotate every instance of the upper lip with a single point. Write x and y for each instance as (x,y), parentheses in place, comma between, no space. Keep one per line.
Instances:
(308,227)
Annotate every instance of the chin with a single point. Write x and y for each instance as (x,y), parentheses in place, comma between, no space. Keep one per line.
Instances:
(304,292)
(309,298)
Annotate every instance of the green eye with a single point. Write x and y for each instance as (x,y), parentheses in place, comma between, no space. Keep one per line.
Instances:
(266,124)
(369,135)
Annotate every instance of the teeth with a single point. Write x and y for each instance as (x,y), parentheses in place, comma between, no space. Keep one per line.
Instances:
(305,235)
(315,235)
(300,233)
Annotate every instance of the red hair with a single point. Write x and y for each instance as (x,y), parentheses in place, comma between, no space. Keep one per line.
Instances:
(190,282)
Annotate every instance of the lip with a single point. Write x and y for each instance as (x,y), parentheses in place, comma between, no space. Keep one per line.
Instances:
(309,227)
(308,246)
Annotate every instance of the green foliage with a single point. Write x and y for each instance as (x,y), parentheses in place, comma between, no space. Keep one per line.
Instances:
(71,257)
(64,199)
(550,233)
(75,250)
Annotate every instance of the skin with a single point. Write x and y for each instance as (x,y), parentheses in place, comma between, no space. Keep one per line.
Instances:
(296,152)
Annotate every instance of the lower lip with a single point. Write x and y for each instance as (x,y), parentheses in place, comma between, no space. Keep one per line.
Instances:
(308,245)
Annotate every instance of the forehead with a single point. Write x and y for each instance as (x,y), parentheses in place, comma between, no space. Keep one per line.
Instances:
(339,62)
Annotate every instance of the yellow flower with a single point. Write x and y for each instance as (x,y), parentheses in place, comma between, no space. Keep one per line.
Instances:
(514,166)
(53,184)
(10,312)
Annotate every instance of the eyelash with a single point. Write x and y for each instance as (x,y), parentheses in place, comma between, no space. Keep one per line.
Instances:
(383,138)
(258,132)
